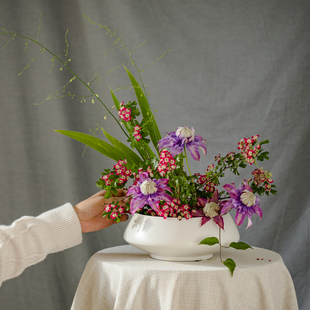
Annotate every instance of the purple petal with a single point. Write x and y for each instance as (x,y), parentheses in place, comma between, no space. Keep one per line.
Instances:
(137,203)
(227,207)
(246,186)
(194,150)
(215,197)
(257,210)
(229,187)
(198,213)
(153,203)
(249,222)
(201,144)
(161,184)
(133,190)
(161,195)
(175,150)
(202,201)
(235,194)
(219,221)
(164,143)
(239,218)
(204,220)
(143,176)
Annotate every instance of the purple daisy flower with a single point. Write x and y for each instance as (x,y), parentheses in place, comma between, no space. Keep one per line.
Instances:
(211,210)
(244,201)
(183,136)
(148,192)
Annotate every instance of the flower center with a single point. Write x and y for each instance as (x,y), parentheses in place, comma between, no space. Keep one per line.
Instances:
(248,198)
(184,132)
(211,209)
(148,187)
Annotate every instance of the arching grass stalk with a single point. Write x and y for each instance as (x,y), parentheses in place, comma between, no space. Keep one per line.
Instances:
(187,160)
(68,68)
(123,45)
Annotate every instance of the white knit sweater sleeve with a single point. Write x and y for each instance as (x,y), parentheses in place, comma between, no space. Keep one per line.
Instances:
(29,239)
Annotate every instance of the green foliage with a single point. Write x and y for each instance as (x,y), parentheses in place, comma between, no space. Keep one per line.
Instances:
(130,155)
(210,241)
(95,143)
(240,246)
(146,111)
(230,264)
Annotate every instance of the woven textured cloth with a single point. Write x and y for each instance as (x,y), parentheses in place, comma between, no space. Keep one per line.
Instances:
(125,278)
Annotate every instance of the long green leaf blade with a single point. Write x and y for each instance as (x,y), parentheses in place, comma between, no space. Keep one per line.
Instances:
(130,155)
(95,143)
(145,110)
(115,100)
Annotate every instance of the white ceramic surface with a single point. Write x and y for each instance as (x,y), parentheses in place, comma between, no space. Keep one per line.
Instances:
(174,240)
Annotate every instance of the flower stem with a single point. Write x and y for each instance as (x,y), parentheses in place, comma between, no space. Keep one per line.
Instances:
(187,160)
(220,243)
(65,65)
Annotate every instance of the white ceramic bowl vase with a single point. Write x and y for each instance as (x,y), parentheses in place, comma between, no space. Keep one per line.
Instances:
(173,240)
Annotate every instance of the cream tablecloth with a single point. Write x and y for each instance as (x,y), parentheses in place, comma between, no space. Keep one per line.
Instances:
(125,278)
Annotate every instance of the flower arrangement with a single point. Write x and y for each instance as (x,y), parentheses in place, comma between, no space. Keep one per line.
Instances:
(155,165)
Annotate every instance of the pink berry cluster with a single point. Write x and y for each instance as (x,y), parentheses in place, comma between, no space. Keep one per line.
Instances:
(210,168)
(137,132)
(217,158)
(261,176)
(248,151)
(124,113)
(204,179)
(166,162)
(120,169)
(113,210)
(174,209)
(107,179)
(230,155)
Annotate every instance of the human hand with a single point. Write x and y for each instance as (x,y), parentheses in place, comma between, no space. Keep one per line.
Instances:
(90,211)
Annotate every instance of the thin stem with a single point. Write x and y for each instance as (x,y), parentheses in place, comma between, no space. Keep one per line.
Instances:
(64,64)
(187,160)
(220,243)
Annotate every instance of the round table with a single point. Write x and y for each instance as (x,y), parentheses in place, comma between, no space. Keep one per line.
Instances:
(126,278)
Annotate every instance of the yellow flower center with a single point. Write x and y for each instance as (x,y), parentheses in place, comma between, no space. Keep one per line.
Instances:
(148,187)
(211,209)
(184,132)
(248,198)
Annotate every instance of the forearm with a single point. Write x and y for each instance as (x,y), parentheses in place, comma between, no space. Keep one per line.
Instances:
(29,239)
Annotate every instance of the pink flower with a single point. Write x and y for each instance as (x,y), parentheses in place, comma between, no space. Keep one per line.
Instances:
(211,210)
(244,201)
(183,137)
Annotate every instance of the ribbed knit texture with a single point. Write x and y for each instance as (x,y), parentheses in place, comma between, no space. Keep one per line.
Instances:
(30,239)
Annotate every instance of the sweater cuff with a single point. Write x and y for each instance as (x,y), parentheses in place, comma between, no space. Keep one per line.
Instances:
(63,228)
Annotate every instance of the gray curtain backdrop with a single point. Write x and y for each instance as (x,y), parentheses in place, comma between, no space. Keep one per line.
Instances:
(236,68)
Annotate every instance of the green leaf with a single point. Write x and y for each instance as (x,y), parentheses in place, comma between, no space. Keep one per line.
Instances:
(264,142)
(145,110)
(240,246)
(130,155)
(115,100)
(230,264)
(95,143)
(209,241)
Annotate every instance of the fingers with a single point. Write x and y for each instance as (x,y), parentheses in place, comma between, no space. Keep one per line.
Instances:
(100,193)
(121,192)
(124,217)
